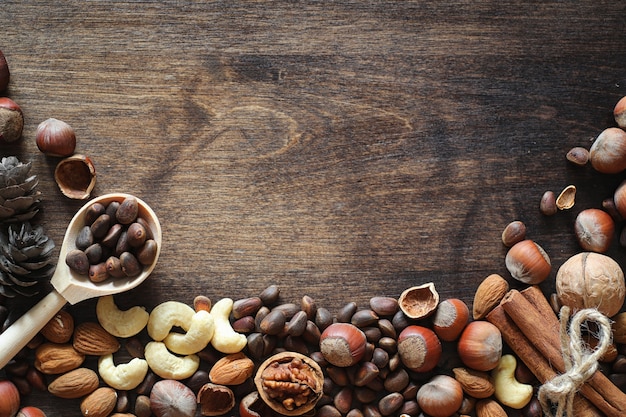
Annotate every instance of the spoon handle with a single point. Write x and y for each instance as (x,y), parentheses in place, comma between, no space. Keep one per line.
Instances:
(13,339)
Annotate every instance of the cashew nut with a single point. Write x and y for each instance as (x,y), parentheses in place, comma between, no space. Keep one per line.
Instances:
(196,338)
(225,338)
(508,390)
(120,323)
(167,365)
(167,315)
(125,376)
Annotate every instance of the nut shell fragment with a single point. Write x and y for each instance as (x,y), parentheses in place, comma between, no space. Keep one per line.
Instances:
(567,198)
(420,301)
(76,176)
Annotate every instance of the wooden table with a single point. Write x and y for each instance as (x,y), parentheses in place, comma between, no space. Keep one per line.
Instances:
(340,150)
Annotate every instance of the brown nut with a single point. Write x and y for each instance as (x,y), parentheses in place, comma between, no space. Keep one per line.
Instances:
(232,369)
(215,399)
(488,295)
(591,280)
(60,328)
(513,232)
(528,262)
(76,176)
(290,383)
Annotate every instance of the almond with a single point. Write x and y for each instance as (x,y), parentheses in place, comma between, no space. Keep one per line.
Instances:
(99,403)
(232,369)
(476,384)
(74,384)
(488,294)
(54,358)
(90,338)
(60,328)
(489,408)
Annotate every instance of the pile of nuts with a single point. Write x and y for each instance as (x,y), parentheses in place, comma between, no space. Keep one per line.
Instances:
(114,242)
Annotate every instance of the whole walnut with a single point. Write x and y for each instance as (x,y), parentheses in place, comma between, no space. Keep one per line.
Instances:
(591,280)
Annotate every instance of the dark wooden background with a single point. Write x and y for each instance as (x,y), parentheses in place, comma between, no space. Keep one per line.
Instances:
(337,149)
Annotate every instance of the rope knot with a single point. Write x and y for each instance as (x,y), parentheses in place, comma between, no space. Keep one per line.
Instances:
(580,363)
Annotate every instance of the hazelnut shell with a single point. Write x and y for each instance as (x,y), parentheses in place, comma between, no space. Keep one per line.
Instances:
(76,176)
(420,301)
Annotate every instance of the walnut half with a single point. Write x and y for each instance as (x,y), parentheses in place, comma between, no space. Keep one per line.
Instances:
(290,383)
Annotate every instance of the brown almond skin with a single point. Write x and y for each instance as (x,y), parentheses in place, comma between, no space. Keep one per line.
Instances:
(488,294)
(74,384)
(99,403)
(60,328)
(53,358)
(90,338)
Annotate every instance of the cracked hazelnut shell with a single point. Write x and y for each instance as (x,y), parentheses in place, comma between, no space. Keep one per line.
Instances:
(76,176)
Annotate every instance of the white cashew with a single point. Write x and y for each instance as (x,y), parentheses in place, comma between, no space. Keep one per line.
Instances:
(508,390)
(167,315)
(120,323)
(196,338)
(125,376)
(225,338)
(167,365)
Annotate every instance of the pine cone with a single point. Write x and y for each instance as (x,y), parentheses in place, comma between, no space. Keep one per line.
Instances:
(25,262)
(19,199)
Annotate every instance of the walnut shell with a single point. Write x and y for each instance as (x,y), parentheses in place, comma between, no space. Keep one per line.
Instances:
(591,280)
(290,383)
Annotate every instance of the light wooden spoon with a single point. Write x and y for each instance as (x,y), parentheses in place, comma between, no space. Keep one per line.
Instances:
(72,287)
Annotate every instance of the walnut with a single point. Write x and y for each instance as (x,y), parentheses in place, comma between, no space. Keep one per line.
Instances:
(591,280)
(290,383)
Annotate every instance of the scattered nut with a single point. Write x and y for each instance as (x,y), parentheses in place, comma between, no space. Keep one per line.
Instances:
(167,365)
(420,301)
(125,376)
(120,323)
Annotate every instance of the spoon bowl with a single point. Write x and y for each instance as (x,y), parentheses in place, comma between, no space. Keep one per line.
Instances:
(72,287)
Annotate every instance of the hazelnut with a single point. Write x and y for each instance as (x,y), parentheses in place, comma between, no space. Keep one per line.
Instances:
(419,348)
(5,75)
(591,280)
(55,138)
(528,262)
(442,396)
(11,120)
(450,319)
(170,398)
(480,346)
(594,230)
(619,112)
(608,152)
(10,403)
(342,344)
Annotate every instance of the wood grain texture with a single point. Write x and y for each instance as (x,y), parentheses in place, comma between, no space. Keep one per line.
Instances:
(337,149)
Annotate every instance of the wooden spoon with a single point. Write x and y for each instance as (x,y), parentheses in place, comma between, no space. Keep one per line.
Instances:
(72,287)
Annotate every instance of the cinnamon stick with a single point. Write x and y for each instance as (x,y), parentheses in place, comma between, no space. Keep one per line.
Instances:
(532,323)
(532,358)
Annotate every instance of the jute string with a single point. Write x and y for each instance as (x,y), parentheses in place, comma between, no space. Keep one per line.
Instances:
(580,362)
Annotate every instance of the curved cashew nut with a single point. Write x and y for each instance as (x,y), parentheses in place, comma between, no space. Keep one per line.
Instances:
(196,338)
(167,315)
(120,323)
(225,338)
(508,390)
(125,376)
(167,365)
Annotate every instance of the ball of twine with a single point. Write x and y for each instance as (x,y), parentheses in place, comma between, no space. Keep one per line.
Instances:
(580,362)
